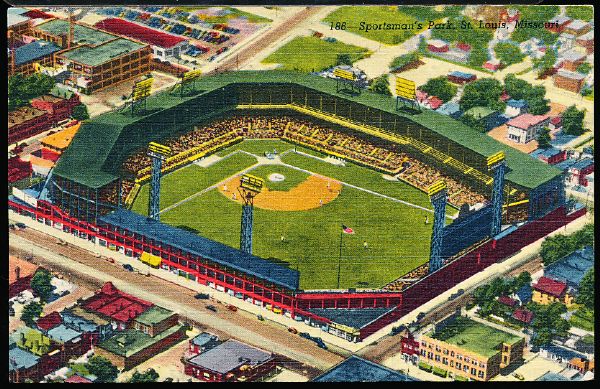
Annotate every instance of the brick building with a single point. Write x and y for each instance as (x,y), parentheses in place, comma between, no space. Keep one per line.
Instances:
(547,291)
(571,81)
(24,59)
(572,59)
(470,349)
(79,319)
(586,41)
(155,320)
(578,27)
(20,273)
(18,169)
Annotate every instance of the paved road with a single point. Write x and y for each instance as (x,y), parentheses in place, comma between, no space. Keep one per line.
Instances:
(80,266)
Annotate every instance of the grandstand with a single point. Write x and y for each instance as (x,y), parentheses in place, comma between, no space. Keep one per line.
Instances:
(87,194)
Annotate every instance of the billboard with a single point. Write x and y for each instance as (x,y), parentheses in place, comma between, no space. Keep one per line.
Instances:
(192,75)
(405,88)
(142,89)
(344,74)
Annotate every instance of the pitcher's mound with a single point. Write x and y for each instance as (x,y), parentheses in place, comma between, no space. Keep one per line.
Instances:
(314,192)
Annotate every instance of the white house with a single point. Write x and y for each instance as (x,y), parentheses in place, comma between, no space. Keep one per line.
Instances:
(524,128)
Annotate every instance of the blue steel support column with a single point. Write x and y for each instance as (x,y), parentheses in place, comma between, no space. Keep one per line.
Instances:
(246,228)
(439,221)
(497,197)
(154,201)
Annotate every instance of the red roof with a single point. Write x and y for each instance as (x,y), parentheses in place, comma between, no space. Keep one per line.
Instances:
(113,303)
(141,33)
(526,120)
(49,321)
(463,46)
(37,14)
(556,120)
(435,102)
(507,301)
(549,286)
(523,315)
(77,379)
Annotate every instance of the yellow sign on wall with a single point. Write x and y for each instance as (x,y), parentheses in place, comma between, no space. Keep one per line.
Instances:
(405,88)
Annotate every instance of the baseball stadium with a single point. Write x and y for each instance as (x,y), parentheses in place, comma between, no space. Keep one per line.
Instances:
(275,187)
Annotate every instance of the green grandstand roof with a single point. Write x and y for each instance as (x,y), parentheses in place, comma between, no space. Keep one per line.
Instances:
(83,160)
(97,55)
(83,35)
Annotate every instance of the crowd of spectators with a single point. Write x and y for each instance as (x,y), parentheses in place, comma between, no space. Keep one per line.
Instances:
(307,133)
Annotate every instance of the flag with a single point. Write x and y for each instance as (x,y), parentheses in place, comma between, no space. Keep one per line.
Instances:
(347,230)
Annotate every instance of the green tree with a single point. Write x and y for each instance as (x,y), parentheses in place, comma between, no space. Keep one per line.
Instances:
(572,120)
(524,278)
(149,375)
(544,138)
(544,64)
(403,60)
(440,87)
(584,68)
(515,87)
(473,122)
(422,47)
(344,59)
(102,369)
(582,12)
(534,96)
(40,283)
(22,89)
(483,92)
(586,290)
(80,112)
(548,323)
(381,85)
(478,56)
(508,53)
(31,312)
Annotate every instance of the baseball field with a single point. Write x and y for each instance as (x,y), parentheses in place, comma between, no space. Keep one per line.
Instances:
(299,214)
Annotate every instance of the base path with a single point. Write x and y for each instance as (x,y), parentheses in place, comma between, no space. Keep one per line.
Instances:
(313,192)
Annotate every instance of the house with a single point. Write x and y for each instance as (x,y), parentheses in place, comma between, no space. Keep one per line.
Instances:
(469,349)
(409,347)
(357,369)
(558,353)
(509,302)
(571,81)
(20,273)
(547,291)
(18,170)
(582,365)
(463,46)
(230,361)
(73,343)
(523,295)
(555,124)
(576,174)
(460,77)
(155,320)
(203,342)
(79,319)
(515,108)
(565,42)
(434,103)
(49,353)
(421,96)
(451,108)
(586,41)
(27,121)
(572,268)
(164,46)
(17,22)
(509,15)
(550,155)
(59,107)
(523,315)
(437,46)
(571,60)
(524,128)
(578,27)
(49,321)
(493,64)
(558,24)
(22,365)
(77,379)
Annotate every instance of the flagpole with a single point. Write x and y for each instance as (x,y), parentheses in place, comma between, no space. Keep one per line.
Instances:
(340,258)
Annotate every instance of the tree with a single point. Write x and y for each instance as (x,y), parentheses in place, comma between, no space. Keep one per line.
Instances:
(548,322)
(440,87)
(22,89)
(80,112)
(584,12)
(40,283)
(508,53)
(478,56)
(149,375)
(403,60)
(524,278)
(422,47)
(586,290)
(344,59)
(31,312)
(102,369)
(572,120)
(381,85)
(544,64)
(515,87)
(544,138)
(483,92)
(534,96)
(584,68)
(473,122)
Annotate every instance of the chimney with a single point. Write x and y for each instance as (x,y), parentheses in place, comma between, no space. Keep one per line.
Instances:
(18,272)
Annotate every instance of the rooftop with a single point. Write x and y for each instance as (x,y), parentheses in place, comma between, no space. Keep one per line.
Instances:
(582,163)
(63,334)
(97,55)
(352,317)
(577,25)
(111,302)
(550,376)
(154,315)
(141,33)
(83,35)
(15,16)
(517,103)
(570,269)
(526,120)
(49,321)
(479,112)
(204,338)
(475,337)
(523,315)
(25,268)
(573,56)
(356,369)
(549,286)
(461,74)
(61,139)
(229,356)
(23,114)
(523,170)
(203,247)
(33,51)
(88,316)
(21,359)
(130,342)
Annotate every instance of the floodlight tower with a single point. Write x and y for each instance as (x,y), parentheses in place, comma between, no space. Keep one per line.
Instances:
(140,92)
(497,164)
(188,82)
(158,153)
(437,194)
(249,187)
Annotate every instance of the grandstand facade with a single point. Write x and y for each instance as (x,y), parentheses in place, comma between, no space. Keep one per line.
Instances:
(86,195)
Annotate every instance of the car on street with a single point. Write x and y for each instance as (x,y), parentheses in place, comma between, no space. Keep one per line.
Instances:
(21,225)
(305,335)
(128,267)
(11,226)
(259,317)
(292,330)
(232,308)
(201,296)
(211,308)
(518,376)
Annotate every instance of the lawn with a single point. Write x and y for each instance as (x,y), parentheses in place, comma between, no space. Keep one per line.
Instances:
(354,15)
(229,13)
(292,179)
(584,319)
(191,179)
(311,54)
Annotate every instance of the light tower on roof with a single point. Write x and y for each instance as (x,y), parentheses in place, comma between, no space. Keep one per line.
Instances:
(438,196)
(158,153)
(497,164)
(250,186)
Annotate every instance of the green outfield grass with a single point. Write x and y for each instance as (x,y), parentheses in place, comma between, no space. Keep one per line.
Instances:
(293,177)
(309,54)
(353,16)
(185,182)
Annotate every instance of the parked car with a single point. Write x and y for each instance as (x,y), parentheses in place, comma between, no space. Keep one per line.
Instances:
(292,330)
(11,226)
(232,308)
(259,317)
(202,296)
(21,225)
(211,308)
(518,376)
(305,335)
(128,267)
